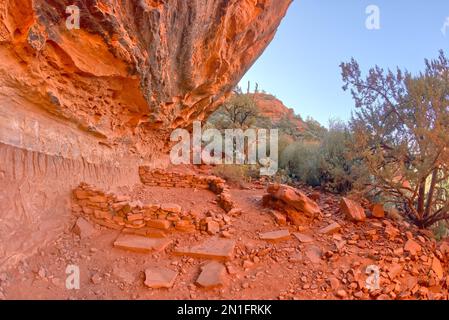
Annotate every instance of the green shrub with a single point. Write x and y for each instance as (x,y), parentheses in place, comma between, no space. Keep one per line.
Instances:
(327,163)
(234,174)
(440,230)
(339,171)
(300,160)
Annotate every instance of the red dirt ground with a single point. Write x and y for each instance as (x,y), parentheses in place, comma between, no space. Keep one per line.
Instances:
(259,270)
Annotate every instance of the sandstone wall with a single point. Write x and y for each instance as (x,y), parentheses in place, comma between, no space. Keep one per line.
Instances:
(135,69)
(42,159)
(35,193)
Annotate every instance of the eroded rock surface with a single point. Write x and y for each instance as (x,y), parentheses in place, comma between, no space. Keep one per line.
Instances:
(292,201)
(133,69)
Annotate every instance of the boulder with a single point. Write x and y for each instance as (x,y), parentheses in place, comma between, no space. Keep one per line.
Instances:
(225,202)
(295,203)
(394,270)
(280,218)
(235,212)
(391,231)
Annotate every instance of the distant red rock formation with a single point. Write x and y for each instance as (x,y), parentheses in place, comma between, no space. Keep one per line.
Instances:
(274,109)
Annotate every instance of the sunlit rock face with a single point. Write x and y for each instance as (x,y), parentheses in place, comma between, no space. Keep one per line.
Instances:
(274,109)
(90,104)
(133,66)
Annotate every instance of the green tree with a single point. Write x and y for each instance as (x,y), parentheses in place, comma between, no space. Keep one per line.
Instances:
(313,130)
(339,170)
(240,111)
(401,130)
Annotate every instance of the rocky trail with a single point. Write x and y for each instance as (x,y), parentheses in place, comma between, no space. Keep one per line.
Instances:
(248,252)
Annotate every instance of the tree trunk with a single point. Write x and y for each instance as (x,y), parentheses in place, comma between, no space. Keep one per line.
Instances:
(429,204)
(421,199)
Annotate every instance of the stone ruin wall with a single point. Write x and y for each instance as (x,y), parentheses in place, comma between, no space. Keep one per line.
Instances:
(120,212)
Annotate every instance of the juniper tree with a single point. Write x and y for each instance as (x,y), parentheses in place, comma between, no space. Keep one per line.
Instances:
(401,130)
(239,112)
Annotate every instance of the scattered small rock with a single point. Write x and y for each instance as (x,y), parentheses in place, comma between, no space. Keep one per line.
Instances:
(342,294)
(96,278)
(413,247)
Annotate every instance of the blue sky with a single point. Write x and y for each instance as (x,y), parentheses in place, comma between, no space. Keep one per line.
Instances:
(301,65)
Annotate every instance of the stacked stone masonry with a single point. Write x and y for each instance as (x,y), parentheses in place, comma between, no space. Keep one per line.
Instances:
(119,212)
(162,178)
(154,220)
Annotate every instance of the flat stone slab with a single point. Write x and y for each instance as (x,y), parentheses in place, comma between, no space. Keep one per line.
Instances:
(334,227)
(215,248)
(303,238)
(140,244)
(314,254)
(278,235)
(160,277)
(171,207)
(413,247)
(212,275)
